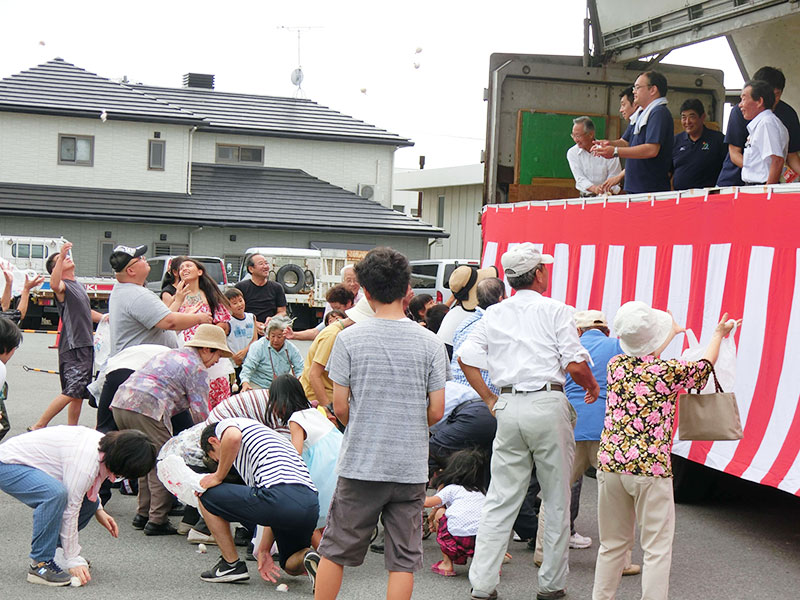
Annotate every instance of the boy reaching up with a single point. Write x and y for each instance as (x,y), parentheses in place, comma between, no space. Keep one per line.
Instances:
(76,347)
(388,375)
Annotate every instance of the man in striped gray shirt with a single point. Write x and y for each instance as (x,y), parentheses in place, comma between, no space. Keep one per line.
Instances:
(278,494)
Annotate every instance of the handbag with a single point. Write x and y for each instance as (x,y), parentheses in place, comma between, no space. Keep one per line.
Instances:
(712,416)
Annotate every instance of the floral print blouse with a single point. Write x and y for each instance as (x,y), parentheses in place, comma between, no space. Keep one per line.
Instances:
(640,411)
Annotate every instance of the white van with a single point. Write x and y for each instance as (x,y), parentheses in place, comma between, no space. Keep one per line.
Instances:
(433,276)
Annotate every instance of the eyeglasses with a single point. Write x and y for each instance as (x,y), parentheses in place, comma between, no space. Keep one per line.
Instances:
(575,136)
(638,87)
(134,261)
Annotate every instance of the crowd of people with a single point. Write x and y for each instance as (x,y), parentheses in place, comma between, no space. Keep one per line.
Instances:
(500,402)
(762,137)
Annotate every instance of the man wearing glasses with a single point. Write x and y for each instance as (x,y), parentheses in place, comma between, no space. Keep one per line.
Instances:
(588,170)
(647,145)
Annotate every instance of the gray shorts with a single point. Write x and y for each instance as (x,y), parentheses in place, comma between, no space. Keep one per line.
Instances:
(75,371)
(353,516)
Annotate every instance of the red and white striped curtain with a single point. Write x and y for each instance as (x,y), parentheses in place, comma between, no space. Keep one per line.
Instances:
(695,257)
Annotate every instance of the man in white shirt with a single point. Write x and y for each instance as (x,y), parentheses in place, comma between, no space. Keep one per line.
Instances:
(768,139)
(588,170)
(527,343)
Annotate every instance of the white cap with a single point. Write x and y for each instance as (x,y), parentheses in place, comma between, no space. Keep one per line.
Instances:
(523,258)
(590,318)
(361,311)
(641,329)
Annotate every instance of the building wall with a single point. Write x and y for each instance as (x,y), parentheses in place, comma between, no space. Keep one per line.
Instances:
(343,164)
(29,153)
(462,205)
(213,241)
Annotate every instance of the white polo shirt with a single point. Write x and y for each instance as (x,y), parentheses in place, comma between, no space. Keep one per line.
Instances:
(588,170)
(767,137)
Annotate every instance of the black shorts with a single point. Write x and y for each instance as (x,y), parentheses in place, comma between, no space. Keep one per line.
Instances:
(75,369)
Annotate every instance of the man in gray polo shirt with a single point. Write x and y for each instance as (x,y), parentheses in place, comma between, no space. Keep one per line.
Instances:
(137,317)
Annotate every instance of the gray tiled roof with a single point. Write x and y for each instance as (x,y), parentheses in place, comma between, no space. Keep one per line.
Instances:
(60,88)
(223,196)
(272,115)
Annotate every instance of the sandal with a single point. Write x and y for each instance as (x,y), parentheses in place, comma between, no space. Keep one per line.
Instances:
(437,568)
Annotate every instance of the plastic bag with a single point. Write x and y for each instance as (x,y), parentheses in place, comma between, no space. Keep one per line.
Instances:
(102,343)
(725,367)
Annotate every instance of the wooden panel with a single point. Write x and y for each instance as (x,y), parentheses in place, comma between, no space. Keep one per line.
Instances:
(543,189)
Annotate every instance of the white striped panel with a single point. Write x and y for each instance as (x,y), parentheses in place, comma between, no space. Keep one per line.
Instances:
(612,288)
(489,255)
(504,278)
(585,276)
(646,274)
(785,396)
(715,288)
(680,280)
(560,272)
(751,344)
(791,483)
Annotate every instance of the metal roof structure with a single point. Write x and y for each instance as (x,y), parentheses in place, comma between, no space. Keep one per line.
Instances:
(272,115)
(223,196)
(60,88)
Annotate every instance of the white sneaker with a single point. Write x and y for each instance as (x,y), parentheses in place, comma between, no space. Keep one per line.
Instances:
(577,541)
(197,537)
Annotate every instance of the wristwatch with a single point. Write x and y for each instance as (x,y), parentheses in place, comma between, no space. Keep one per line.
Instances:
(616,151)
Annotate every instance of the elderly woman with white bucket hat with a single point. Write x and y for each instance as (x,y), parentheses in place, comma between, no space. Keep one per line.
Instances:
(634,469)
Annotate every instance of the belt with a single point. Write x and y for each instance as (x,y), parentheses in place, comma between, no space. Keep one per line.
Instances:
(550,387)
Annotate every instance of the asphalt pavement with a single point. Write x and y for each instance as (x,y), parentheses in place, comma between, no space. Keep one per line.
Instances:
(745,543)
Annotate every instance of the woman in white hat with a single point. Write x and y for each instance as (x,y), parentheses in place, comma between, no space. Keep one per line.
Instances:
(634,470)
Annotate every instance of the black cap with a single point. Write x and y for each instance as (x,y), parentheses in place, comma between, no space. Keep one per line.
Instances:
(122,255)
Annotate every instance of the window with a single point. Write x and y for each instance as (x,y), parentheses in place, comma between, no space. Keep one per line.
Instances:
(104,268)
(424,276)
(249,155)
(440,213)
(75,150)
(155,154)
(157,269)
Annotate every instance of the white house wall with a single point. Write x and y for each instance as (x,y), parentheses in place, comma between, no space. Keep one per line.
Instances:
(343,164)
(29,153)
(462,205)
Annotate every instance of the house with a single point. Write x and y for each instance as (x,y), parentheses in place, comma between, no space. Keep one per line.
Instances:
(191,170)
(452,199)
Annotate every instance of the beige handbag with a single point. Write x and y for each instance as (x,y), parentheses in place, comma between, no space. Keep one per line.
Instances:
(709,416)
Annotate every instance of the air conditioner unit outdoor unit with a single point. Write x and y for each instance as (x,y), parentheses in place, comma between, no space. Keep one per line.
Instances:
(367,190)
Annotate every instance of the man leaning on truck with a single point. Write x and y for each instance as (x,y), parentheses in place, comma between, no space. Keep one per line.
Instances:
(647,146)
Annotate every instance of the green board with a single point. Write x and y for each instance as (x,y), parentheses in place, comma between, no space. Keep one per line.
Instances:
(544,141)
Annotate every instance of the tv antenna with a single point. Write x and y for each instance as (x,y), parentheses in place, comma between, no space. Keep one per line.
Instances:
(297,74)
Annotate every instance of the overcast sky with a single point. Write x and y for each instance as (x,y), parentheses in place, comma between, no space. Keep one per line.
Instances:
(350,46)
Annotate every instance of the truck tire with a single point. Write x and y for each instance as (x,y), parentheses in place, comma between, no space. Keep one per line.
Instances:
(292,278)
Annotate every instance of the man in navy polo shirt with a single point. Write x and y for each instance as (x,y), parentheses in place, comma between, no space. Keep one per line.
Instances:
(647,146)
(736,135)
(698,151)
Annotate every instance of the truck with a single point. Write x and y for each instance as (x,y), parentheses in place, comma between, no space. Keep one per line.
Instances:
(27,256)
(681,261)
(306,275)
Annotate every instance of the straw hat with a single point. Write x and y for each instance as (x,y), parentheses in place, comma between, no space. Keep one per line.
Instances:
(641,329)
(464,284)
(361,311)
(210,336)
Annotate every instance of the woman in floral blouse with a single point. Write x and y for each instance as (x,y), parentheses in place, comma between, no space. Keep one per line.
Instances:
(635,473)
(198,293)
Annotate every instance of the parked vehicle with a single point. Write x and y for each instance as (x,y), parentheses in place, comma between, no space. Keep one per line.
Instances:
(433,276)
(159,267)
(27,255)
(306,275)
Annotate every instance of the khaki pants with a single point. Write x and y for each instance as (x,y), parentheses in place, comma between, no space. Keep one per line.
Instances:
(155,501)
(534,426)
(622,502)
